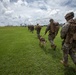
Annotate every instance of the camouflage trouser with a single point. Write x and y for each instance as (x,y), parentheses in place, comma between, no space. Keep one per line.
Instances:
(69,49)
(51,39)
(38,34)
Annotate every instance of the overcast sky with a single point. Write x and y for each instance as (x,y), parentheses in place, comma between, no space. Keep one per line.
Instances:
(16,12)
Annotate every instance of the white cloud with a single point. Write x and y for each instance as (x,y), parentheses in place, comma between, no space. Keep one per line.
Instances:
(34,11)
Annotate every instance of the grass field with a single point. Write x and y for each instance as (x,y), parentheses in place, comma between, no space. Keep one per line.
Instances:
(20,54)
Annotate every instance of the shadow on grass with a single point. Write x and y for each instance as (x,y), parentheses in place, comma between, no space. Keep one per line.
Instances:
(69,71)
(44,49)
(56,54)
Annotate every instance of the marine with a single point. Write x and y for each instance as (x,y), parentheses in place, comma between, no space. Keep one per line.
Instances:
(53,29)
(68,35)
(38,29)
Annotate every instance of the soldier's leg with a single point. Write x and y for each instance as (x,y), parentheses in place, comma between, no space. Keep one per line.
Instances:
(73,52)
(38,34)
(52,42)
(73,55)
(32,31)
(65,49)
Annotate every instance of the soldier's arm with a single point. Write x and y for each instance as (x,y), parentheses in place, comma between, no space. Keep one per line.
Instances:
(47,29)
(64,31)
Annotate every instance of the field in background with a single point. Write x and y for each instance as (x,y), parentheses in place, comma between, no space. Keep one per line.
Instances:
(20,54)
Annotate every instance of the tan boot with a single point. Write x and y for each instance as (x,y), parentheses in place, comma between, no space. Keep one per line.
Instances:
(65,64)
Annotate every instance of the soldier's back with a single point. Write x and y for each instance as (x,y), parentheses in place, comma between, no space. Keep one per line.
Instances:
(72,29)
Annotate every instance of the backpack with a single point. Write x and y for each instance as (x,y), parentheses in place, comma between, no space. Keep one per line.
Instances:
(52,27)
(72,29)
(56,28)
(71,33)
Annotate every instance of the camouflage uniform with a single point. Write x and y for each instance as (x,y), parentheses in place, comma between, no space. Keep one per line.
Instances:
(53,30)
(38,29)
(31,28)
(69,45)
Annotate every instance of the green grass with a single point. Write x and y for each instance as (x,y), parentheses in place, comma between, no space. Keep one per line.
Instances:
(20,54)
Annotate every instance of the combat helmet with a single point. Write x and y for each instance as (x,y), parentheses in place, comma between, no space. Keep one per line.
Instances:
(69,15)
(51,20)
